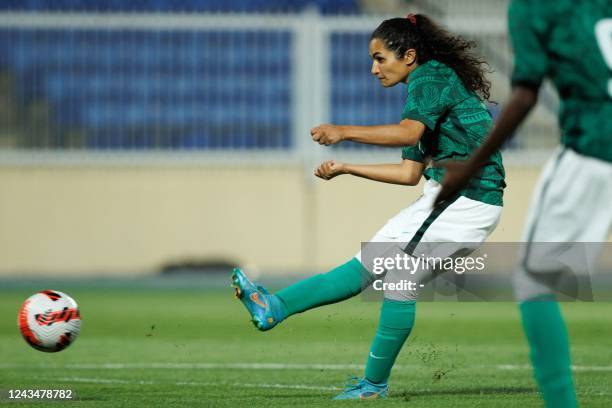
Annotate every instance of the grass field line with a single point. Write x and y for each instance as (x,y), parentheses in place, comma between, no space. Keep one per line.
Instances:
(197,384)
(191,366)
(262,366)
(98,380)
(574,367)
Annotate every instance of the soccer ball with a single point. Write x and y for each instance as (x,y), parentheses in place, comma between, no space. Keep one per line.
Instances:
(49,320)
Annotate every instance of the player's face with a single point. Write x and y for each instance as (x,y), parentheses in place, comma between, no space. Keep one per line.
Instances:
(389,69)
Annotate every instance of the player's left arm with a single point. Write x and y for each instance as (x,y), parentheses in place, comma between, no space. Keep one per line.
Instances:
(407,173)
(406,133)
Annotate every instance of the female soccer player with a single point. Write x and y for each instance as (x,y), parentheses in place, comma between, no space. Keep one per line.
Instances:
(572,200)
(444,118)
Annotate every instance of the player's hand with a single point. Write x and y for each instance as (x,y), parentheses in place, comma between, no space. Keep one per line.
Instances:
(456,177)
(326,134)
(330,169)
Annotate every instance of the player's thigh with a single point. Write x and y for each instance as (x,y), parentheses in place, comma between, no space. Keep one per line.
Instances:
(572,205)
(570,217)
(466,221)
(405,223)
(455,232)
(548,171)
(408,220)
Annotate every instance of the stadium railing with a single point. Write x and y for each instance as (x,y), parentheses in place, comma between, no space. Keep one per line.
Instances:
(230,89)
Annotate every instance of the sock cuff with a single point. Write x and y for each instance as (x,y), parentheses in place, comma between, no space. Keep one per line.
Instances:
(547,297)
(355,265)
(397,314)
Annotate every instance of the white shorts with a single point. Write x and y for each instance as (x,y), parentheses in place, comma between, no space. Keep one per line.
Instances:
(465,222)
(572,203)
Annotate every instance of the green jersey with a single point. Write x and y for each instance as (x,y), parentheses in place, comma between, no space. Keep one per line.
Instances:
(457,122)
(571,43)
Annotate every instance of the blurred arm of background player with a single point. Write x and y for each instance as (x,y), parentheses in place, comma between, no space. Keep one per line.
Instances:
(458,173)
(406,133)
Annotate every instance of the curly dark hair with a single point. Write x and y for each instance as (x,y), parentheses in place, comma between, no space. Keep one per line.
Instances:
(431,42)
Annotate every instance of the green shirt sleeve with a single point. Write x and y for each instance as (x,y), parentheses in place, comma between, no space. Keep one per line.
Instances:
(427,98)
(414,153)
(528,26)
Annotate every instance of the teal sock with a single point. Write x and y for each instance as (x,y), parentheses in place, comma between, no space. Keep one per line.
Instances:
(341,283)
(394,327)
(550,354)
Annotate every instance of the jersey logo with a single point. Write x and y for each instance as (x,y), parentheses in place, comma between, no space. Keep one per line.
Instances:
(376,357)
(255,298)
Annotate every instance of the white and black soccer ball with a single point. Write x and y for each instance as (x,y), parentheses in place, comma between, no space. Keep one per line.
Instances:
(49,320)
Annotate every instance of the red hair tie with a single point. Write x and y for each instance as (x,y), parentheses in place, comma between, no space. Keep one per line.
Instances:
(412,18)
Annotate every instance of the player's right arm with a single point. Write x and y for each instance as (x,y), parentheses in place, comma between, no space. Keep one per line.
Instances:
(406,133)
(407,173)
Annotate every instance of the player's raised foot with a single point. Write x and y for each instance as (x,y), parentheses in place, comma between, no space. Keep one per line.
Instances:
(362,389)
(265,309)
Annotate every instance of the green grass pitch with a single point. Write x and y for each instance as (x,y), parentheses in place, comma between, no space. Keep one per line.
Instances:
(196,347)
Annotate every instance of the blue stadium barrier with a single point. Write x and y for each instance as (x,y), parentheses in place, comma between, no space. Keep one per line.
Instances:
(118,86)
(186,89)
(324,6)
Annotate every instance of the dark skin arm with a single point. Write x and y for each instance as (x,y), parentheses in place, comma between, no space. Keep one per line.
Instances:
(459,173)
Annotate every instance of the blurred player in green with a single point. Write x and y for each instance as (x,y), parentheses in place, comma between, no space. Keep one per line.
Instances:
(444,118)
(569,42)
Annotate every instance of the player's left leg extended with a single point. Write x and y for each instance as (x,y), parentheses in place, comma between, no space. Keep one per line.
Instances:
(267,310)
(342,282)
(570,206)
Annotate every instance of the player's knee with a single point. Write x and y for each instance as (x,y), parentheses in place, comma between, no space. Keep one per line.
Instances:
(401,295)
(528,285)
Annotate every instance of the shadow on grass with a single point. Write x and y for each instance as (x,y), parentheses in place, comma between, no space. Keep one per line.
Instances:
(407,395)
(464,391)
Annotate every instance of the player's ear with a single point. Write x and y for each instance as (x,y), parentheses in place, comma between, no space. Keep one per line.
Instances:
(409,57)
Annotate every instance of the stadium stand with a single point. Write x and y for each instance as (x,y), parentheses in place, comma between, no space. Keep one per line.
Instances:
(179,89)
(324,6)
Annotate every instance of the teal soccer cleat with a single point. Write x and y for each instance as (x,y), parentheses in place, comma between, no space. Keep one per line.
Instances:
(362,389)
(265,309)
